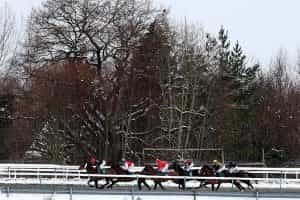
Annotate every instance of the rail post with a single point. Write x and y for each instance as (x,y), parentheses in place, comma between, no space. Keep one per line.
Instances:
(8,172)
(67,173)
(55,175)
(132,194)
(280,181)
(137,181)
(71,193)
(38,176)
(194,195)
(184,182)
(7,194)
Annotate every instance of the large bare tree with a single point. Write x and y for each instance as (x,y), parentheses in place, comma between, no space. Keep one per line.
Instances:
(102,34)
(7,33)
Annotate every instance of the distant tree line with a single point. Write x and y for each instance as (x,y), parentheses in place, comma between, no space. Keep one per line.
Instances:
(107,78)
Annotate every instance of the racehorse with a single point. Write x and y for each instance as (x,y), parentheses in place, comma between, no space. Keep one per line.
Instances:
(110,181)
(208,171)
(149,170)
(91,169)
(242,174)
(117,170)
(181,172)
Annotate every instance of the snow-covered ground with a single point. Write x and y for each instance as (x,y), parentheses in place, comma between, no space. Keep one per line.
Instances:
(83,181)
(27,196)
(77,179)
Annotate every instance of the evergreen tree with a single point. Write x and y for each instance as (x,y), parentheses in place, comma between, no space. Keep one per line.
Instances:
(235,91)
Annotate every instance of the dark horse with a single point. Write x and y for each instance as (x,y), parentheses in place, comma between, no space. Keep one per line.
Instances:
(117,170)
(149,170)
(110,181)
(181,172)
(208,171)
(91,169)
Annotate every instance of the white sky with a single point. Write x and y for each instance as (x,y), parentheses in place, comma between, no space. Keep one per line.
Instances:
(261,26)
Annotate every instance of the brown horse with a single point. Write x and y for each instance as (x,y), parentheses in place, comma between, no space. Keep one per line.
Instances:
(208,171)
(110,181)
(149,170)
(181,172)
(117,170)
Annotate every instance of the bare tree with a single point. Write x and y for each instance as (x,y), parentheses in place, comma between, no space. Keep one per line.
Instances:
(7,33)
(102,34)
(98,30)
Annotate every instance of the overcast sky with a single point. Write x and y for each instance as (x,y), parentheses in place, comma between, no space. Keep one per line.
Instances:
(261,26)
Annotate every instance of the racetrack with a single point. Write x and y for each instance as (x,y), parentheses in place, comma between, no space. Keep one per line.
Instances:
(60,192)
(17,181)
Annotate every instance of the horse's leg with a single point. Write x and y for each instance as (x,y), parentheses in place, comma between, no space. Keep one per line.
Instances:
(96,183)
(250,186)
(107,183)
(89,181)
(143,181)
(161,186)
(92,180)
(238,185)
(219,184)
(202,184)
(146,184)
(247,182)
(139,184)
(183,185)
(112,183)
(155,185)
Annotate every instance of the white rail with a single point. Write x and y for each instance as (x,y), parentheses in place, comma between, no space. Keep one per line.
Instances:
(14,171)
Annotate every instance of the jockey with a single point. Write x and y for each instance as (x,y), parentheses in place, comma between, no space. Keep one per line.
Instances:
(219,168)
(233,168)
(97,165)
(100,166)
(93,163)
(162,166)
(126,165)
(187,166)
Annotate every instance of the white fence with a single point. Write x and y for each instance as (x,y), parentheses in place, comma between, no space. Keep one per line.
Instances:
(67,172)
